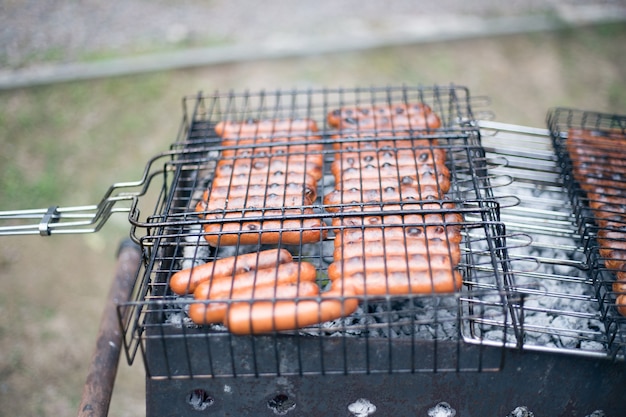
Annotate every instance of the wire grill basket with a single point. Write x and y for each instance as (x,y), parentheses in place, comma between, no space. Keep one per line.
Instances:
(392,333)
(590,148)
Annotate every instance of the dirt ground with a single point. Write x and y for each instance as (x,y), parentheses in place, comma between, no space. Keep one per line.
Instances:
(54,288)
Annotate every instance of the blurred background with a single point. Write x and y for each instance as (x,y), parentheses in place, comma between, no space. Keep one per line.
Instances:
(90,90)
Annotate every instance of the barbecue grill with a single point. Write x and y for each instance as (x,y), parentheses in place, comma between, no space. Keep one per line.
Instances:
(533,326)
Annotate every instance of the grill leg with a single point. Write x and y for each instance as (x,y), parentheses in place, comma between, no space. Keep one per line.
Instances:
(103,368)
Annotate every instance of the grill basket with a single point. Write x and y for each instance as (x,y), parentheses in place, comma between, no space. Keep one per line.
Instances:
(392,334)
(591,209)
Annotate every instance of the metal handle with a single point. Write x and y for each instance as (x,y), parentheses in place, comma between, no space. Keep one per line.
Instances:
(79,219)
(58,220)
(98,387)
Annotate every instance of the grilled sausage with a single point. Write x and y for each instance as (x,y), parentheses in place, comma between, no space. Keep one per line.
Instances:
(400,116)
(251,127)
(400,157)
(186,280)
(620,304)
(266,316)
(214,312)
(599,165)
(277,177)
(375,172)
(409,264)
(275,147)
(395,247)
(401,283)
(268,166)
(382,141)
(289,189)
(273,200)
(277,226)
(287,273)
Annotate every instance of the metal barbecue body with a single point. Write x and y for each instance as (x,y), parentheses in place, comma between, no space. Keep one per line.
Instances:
(528,328)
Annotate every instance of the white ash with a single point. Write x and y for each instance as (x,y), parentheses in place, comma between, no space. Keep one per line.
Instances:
(522,411)
(195,251)
(362,408)
(443,409)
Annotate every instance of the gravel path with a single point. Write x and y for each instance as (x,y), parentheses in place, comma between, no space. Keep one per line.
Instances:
(62,31)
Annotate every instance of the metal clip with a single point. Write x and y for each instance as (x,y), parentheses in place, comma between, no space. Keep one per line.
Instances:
(52,215)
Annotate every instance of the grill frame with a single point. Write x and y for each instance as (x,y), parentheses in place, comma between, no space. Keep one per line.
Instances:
(165,230)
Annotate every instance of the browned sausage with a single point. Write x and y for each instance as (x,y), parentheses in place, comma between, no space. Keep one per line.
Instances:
(374,172)
(398,116)
(401,157)
(251,127)
(186,280)
(276,147)
(407,264)
(278,226)
(259,201)
(410,234)
(266,316)
(278,177)
(287,273)
(396,192)
(214,312)
(398,283)
(621,304)
(377,110)
(267,166)
(382,141)
(292,188)
(396,247)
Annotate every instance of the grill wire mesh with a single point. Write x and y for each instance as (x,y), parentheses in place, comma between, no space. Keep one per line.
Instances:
(388,334)
(590,149)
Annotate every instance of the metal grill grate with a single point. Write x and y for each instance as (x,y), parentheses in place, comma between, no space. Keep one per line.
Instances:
(389,333)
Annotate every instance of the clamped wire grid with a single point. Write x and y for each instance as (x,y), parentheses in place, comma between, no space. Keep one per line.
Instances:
(590,147)
(423,332)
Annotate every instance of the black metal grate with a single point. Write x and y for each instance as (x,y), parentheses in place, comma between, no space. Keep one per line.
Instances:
(390,334)
(597,200)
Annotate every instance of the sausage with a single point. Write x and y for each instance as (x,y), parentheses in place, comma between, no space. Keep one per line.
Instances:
(398,283)
(375,172)
(396,247)
(266,316)
(234,230)
(382,141)
(250,127)
(275,147)
(289,189)
(396,192)
(186,280)
(409,234)
(380,117)
(401,157)
(390,264)
(381,110)
(277,177)
(416,214)
(214,312)
(259,201)
(287,273)
(426,193)
(620,304)
(267,166)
